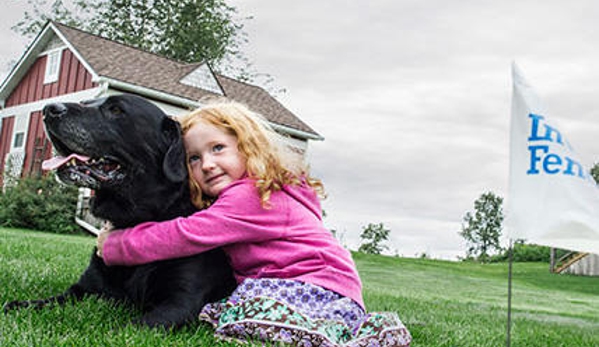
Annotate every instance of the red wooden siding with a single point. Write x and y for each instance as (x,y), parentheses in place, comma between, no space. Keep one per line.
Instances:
(73,77)
(38,147)
(5,138)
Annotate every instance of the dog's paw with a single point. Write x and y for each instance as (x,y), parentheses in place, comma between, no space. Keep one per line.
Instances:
(153,321)
(15,305)
(34,304)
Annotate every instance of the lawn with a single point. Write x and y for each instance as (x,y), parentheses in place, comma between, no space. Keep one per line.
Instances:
(443,303)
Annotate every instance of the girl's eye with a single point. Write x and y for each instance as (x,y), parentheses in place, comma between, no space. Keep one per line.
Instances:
(218,148)
(193,158)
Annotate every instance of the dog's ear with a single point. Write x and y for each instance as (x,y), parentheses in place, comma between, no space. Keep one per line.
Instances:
(173,164)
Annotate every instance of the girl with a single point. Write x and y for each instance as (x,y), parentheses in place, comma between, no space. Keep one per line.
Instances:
(296,283)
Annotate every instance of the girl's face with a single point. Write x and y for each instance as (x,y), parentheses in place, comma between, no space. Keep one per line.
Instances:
(213,157)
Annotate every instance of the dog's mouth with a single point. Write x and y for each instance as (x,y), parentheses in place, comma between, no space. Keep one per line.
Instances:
(85,171)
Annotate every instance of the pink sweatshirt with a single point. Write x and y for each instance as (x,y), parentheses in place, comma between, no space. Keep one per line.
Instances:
(287,241)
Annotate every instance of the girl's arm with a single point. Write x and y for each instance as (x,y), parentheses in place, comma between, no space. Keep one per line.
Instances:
(236,216)
(142,244)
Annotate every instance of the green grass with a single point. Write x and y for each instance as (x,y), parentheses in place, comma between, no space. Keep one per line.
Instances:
(465,304)
(442,303)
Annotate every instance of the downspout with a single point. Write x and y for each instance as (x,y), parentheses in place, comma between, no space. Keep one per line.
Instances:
(296,133)
(151,93)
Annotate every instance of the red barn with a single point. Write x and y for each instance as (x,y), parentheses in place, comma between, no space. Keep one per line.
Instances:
(64,64)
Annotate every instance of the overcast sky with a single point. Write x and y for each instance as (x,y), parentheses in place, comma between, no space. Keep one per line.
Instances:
(413,99)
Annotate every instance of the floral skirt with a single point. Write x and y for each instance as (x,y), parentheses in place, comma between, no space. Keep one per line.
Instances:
(300,314)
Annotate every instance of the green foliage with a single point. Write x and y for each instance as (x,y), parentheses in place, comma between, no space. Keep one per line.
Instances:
(483,228)
(595,172)
(372,237)
(523,252)
(39,203)
(33,22)
(184,30)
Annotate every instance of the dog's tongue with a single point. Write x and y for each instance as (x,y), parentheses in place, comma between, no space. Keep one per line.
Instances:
(58,161)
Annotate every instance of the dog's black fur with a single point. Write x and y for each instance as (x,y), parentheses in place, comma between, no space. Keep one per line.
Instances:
(141,176)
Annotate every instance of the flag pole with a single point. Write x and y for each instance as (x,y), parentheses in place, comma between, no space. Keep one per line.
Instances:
(509,294)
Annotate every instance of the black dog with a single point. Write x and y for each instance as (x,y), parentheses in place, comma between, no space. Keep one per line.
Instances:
(132,155)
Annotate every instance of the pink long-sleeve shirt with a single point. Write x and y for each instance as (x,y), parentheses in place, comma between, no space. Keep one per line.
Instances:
(287,241)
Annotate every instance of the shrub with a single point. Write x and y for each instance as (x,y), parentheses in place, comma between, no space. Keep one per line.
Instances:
(40,203)
(524,252)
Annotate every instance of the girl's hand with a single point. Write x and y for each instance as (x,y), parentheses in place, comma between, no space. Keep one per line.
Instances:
(102,236)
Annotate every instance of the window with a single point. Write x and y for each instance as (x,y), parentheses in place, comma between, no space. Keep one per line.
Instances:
(19,139)
(19,132)
(52,66)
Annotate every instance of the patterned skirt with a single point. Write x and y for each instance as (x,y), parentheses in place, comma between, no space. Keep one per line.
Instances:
(300,314)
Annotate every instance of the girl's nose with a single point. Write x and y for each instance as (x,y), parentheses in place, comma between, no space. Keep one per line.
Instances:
(207,164)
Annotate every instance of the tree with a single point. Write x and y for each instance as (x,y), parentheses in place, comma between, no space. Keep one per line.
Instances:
(373,235)
(483,228)
(595,172)
(183,30)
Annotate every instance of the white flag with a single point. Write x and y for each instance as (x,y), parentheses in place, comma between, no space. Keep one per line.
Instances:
(553,200)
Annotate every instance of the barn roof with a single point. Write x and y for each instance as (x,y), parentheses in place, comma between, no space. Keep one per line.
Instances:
(126,67)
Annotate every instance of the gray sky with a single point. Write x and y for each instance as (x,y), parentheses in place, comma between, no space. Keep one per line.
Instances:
(413,99)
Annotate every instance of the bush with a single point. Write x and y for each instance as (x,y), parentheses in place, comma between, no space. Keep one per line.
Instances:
(525,253)
(39,203)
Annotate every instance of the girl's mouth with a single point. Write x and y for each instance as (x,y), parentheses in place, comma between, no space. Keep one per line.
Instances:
(214,178)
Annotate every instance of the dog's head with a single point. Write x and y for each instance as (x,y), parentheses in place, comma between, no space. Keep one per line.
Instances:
(123,147)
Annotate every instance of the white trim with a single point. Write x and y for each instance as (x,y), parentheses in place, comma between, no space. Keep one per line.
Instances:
(21,141)
(83,62)
(15,158)
(24,58)
(85,225)
(155,94)
(296,133)
(151,93)
(50,51)
(21,125)
(202,78)
(32,53)
(104,89)
(168,108)
(53,61)
(101,91)
(39,104)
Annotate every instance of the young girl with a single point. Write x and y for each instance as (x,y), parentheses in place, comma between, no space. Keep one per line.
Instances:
(296,283)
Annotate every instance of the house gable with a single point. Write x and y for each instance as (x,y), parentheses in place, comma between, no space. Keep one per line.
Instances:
(133,70)
(30,85)
(28,81)
(203,78)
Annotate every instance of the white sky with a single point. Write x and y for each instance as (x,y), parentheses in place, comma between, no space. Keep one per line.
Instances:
(413,99)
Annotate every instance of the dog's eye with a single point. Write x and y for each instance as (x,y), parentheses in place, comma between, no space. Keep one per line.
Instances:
(115,110)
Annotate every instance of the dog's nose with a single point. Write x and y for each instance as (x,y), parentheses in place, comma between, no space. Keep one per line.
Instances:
(54,110)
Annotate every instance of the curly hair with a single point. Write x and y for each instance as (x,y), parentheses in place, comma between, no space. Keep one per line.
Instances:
(268,161)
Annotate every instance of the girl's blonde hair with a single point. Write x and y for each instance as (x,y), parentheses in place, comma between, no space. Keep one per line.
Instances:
(268,160)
